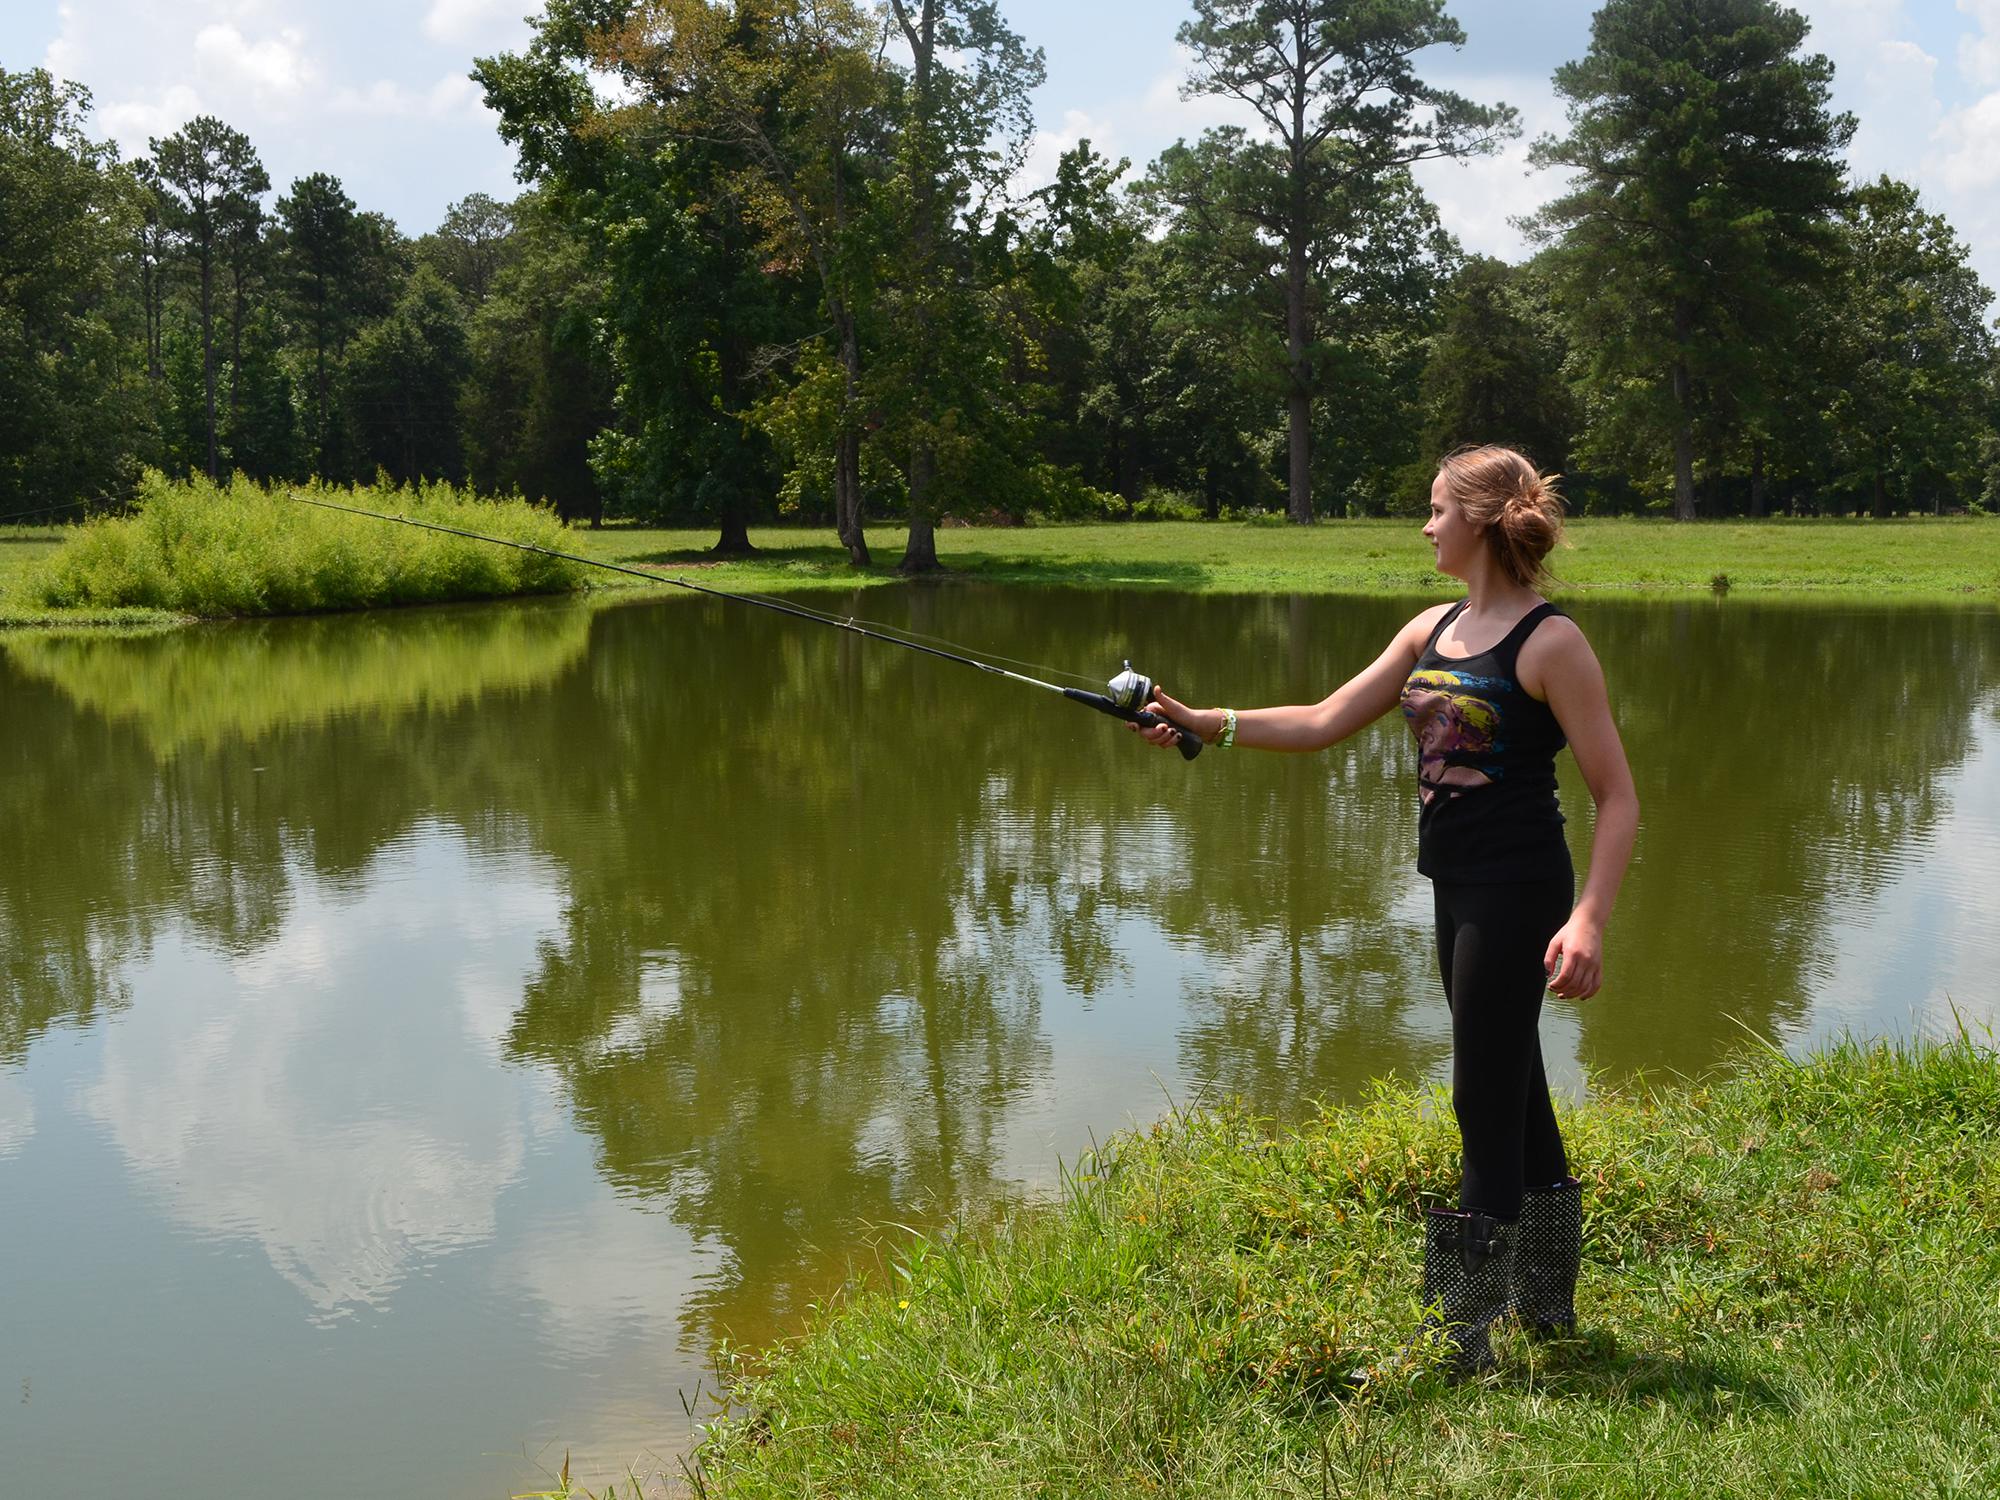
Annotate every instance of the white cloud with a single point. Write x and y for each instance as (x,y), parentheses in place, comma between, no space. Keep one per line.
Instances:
(1046,148)
(274,69)
(476,21)
(454,96)
(1979,49)
(1969,161)
(132,122)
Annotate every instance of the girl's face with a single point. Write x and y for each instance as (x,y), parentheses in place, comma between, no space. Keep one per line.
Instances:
(1453,538)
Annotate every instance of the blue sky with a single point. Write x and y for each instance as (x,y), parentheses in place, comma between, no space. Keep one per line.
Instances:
(376,92)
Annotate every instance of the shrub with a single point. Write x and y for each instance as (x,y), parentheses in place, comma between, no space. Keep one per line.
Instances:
(216,551)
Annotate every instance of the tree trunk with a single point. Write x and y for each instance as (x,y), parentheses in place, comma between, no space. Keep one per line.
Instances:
(847,448)
(208,350)
(1879,500)
(1683,445)
(1757,477)
(920,554)
(735,538)
(1298,401)
(235,339)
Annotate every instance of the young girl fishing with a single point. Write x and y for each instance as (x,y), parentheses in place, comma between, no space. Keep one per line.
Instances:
(1493,686)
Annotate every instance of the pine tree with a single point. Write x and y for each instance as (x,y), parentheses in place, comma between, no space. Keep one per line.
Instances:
(1706,168)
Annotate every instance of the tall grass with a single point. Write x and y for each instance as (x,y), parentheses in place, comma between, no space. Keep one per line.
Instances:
(1791,1287)
(216,551)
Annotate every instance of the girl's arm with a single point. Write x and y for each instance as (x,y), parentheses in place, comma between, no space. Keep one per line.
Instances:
(1355,704)
(1572,682)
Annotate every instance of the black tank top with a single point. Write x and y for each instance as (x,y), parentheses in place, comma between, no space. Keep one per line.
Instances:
(1486,763)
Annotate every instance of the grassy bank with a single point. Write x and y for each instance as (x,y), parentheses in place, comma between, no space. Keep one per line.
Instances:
(1791,1287)
(1943,560)
(1907,561)
(223,551)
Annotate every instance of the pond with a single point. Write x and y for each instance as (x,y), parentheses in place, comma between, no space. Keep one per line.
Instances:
(426,1036)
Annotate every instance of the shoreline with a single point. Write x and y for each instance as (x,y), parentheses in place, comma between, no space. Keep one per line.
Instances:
(1789,1271)
(1909,561)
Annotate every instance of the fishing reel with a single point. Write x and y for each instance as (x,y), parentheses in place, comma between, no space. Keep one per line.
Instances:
(1126,698)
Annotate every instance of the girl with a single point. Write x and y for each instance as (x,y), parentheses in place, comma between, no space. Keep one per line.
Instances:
(1493,686)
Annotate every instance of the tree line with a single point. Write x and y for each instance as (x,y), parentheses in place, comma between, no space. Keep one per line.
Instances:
(772,260)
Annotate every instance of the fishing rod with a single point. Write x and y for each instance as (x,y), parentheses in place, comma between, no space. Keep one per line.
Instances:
(1124,697)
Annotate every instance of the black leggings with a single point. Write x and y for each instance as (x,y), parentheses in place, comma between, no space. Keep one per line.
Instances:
(1490,941)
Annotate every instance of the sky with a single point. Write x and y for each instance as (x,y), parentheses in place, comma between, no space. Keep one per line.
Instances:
(377,93)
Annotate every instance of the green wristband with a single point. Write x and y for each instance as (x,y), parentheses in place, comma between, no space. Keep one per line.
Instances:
(1228,736)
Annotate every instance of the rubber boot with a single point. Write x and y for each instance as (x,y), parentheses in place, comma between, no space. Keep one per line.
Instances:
(1546,1256)
(1468,1270)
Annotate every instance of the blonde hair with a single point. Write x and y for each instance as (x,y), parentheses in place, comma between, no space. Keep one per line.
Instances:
(1518,506)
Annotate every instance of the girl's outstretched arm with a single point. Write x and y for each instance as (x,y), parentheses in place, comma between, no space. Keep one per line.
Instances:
(1355,704)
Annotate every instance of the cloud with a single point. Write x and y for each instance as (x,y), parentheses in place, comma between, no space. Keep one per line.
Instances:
(1969,161)
(475,21)
(1046,148)
(1979,50)
(132,122)
(452,97)
(275,69)
(237,1122)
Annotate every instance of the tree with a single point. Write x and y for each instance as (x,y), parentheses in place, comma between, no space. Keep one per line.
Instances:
(320,255)
(71,389)
(962,133)
(1335,87)
(763,107)
(210,181)
(471,246)
(1917,351)
(1706,166)
(401,384)
(540,386)
(1495,368)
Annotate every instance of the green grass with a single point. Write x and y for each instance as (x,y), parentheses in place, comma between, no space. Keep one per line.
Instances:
(1791,1287)
(1903,560)
(222,551)
(1906,559)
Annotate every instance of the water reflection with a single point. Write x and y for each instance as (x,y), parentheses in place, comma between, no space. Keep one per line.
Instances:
(621,968)
(329,1101)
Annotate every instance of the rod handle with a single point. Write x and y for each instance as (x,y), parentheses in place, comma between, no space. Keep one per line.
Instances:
(1190,745)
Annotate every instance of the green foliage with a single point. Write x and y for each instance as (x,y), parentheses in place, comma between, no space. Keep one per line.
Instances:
(1494,374)
(72,409)
(209,180)
(400,384)
(1218,1308)
(1706,164)
(215,551)
(540,386)
(1316,217)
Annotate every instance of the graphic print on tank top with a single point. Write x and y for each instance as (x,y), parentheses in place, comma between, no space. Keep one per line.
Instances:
(1460,730)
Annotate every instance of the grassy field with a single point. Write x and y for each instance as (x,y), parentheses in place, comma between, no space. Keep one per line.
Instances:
(1954,559)
(1903,560)
(1791,1286)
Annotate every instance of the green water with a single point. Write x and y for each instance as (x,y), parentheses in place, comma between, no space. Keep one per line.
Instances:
(425,1035)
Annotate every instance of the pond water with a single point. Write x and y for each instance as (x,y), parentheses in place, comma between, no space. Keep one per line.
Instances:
(425,1036)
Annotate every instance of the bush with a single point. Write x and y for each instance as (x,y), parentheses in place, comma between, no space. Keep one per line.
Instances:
(217,551)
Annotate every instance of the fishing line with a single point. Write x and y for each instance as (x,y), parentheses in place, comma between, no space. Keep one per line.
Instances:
(46,510)
(906,635)
(1128,691)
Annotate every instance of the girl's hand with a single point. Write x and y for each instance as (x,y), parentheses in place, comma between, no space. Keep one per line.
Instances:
(1204,723)
(1575,959)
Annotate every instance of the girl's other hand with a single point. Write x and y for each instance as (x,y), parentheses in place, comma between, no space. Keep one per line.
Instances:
(1574,961)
